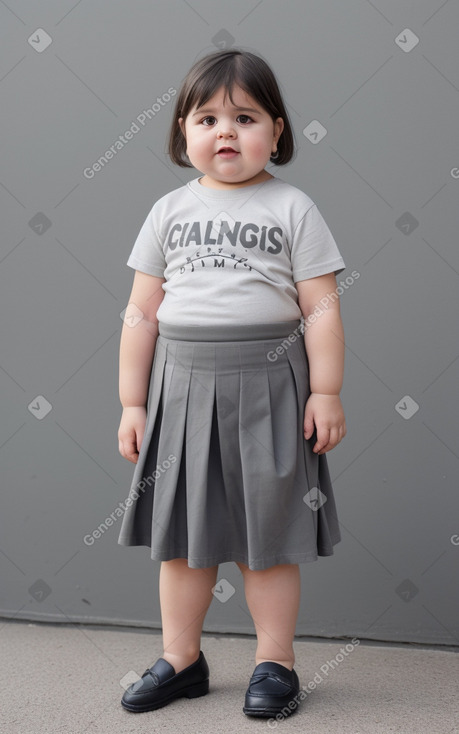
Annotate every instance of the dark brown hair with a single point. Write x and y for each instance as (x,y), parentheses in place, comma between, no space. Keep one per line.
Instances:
(227,68)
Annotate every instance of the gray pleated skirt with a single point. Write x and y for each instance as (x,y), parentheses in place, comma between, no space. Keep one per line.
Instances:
(224,472)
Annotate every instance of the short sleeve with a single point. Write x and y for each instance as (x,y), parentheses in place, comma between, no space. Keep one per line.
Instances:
(147,254)
(314,251)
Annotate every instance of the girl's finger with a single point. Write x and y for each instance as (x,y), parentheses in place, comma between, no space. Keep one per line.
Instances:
(323,438)
(334,437)
(308,425)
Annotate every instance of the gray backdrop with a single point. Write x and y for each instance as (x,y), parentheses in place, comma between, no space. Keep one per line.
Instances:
(372,91)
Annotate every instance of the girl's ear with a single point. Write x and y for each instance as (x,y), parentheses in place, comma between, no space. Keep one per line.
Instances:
(182,126)
(278,128)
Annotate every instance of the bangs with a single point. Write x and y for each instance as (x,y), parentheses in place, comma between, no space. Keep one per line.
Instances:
(224,75)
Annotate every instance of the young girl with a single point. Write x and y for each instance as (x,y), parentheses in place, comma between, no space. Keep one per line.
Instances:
(230,398)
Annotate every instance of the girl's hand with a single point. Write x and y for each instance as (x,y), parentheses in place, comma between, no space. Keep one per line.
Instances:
(325,412)
(131,431)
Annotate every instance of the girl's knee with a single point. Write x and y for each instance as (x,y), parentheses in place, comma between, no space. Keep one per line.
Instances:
(175,562)
(178,565)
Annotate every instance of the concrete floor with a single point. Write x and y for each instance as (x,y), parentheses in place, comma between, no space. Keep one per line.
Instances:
(66,678)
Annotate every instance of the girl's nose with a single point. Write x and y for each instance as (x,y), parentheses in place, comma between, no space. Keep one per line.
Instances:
(225,130)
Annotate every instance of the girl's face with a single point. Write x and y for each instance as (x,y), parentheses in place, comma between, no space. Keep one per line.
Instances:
(245,127)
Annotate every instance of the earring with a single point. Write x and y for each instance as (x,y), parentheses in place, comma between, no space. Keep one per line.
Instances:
(275,155)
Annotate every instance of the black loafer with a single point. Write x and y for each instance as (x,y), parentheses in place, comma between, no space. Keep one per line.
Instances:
(273,689)
(160,685)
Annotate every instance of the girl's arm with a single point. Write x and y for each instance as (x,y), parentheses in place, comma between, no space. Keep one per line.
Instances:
(137,346)
(324,341)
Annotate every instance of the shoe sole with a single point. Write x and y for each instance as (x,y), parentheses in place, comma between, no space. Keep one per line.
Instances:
(267,713)
(199,689)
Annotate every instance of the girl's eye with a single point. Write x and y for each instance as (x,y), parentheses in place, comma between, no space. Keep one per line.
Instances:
(242,118)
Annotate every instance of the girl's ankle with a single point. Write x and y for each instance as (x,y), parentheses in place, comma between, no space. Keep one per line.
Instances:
(179,662)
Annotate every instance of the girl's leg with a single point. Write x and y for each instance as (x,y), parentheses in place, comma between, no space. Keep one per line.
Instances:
(273,598)
(185,596)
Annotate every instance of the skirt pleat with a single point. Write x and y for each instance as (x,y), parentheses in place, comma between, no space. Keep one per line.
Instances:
(224,472)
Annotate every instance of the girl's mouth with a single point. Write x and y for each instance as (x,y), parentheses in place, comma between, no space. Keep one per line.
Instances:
(227,153)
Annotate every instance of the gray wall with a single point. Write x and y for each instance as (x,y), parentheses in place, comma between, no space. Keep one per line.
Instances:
(386,178)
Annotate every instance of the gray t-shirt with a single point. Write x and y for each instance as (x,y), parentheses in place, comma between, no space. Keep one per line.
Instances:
(233,256)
